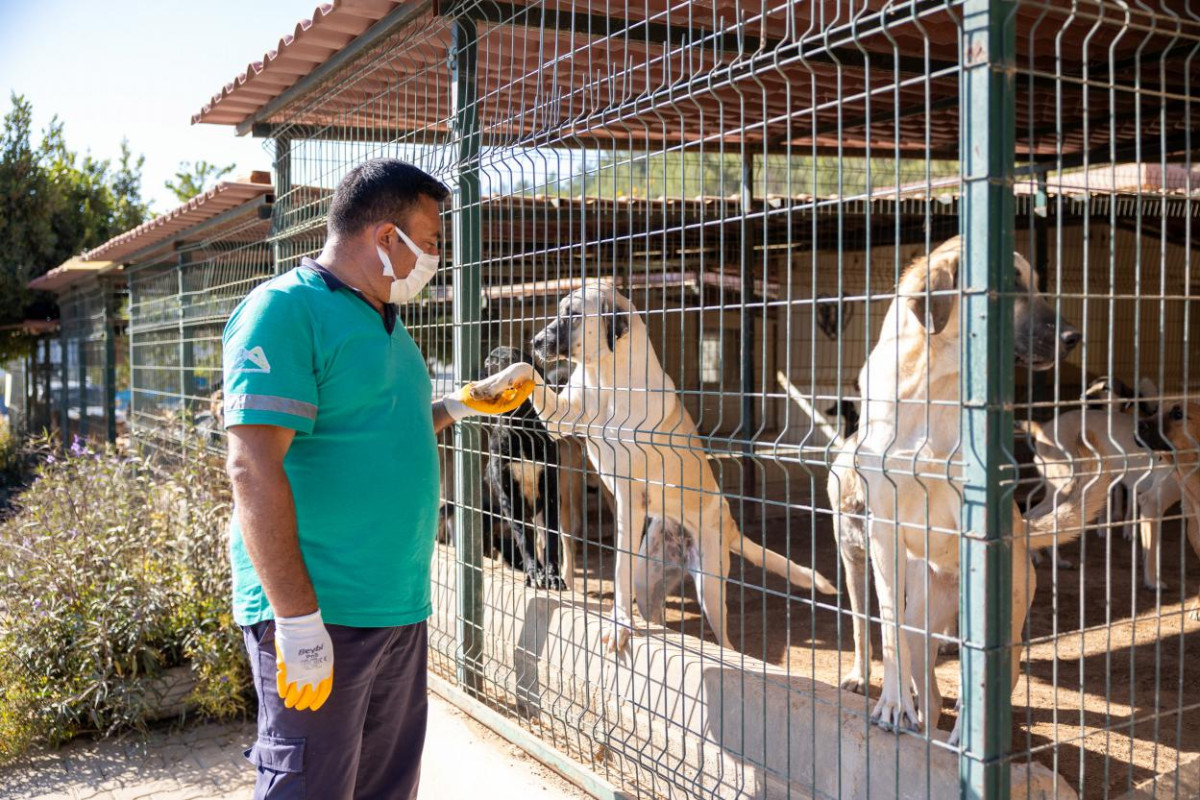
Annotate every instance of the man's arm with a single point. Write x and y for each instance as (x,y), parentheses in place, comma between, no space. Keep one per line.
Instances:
(497,394)
(267,512)
(441,417)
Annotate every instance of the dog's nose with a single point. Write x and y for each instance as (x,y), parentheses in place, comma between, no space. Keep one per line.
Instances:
(1070,338)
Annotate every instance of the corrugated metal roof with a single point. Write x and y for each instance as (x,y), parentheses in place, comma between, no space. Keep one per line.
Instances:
(332,27)
(67,274)
(224,196)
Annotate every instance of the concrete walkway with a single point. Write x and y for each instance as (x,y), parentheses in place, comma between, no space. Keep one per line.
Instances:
(205,763)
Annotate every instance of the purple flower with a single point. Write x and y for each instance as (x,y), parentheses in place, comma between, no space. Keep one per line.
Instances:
(78,447)
(51,459)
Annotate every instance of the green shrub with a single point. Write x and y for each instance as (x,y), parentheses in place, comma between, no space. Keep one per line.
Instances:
(114,570)
(12,460)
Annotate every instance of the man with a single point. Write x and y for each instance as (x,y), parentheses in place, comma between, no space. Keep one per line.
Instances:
(334,465)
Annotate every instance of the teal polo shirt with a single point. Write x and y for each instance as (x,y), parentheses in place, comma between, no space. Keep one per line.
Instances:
(306,352)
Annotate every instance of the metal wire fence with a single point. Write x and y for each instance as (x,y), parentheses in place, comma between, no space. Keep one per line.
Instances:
(94,315)
(180,299)
(856,283)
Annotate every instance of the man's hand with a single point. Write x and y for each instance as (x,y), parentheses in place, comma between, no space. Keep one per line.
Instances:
(498,394)
(303,661)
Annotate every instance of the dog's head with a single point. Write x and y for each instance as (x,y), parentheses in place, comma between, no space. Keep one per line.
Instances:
(501,358)
(930,288)
(849,414)
(1176,428)
(592,320)
(1106,392)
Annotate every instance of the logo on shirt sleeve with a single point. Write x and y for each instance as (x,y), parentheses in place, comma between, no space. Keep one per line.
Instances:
(252,360)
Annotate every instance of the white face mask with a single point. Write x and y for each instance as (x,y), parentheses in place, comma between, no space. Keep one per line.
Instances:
(408,287)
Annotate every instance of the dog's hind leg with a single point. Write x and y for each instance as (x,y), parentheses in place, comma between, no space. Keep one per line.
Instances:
(854,561)
(512,504)
(943,609)
(895,708)
(1191,513)
(548,498)
(660,567)
(708,563)
(1161,495)
(570,503)
(631,522)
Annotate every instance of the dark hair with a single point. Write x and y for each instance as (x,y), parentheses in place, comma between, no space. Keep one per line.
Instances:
(377,191)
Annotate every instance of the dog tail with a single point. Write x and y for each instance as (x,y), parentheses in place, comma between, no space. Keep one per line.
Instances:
(797,575)
(1061,517)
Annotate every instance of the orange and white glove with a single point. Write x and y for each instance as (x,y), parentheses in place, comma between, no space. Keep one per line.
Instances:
(303,661)
(497,394)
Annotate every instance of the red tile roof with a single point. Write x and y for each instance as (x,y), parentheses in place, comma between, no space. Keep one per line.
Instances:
(201,208)
(332,27)
(561,76)
(68,274)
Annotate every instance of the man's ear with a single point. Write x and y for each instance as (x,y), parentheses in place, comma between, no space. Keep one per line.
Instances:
(939,275)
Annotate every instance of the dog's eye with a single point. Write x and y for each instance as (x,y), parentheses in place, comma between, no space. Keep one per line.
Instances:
(1177,413)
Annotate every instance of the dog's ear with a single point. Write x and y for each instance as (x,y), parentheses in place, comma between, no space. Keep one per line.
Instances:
(616,322)
(936,274)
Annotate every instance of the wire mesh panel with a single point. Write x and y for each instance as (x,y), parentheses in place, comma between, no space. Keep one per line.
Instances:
(819,294)
(93,314)
(180,299)
(1104,113)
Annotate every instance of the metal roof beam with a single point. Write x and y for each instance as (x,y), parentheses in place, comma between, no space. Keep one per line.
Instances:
(397,18)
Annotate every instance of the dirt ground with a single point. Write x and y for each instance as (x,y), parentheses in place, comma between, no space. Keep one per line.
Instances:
(1105,697)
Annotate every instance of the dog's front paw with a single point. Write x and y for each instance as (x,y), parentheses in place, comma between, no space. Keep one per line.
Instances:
(956,734)
(896,713)
(616,633)
(535,579)
(1154,585)
(552,581)
(854,682)
(1194,614)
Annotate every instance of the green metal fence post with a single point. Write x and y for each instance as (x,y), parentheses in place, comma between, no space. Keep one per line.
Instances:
(64,368)
(747,234)
(283,185)
(81,359)
(467,232)
(187,356)
(986,277)
(110,362)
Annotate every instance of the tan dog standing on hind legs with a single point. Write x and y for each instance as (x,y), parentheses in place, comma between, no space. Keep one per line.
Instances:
(643,443)
(896,494)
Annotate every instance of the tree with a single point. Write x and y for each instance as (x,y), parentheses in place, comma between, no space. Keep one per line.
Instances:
(193,179)
(26,201)
(53,205)
(126,185)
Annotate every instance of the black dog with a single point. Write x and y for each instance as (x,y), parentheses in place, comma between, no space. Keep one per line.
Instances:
(498,539)
(522,473)
(848,411)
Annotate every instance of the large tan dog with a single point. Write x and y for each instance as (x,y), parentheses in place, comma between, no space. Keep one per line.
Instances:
(644,445)
(895,492)
(1177,428)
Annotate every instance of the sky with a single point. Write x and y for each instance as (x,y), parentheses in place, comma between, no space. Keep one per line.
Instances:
(112,69)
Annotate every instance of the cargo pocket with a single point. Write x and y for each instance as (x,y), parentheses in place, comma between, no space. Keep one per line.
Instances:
(280,765)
